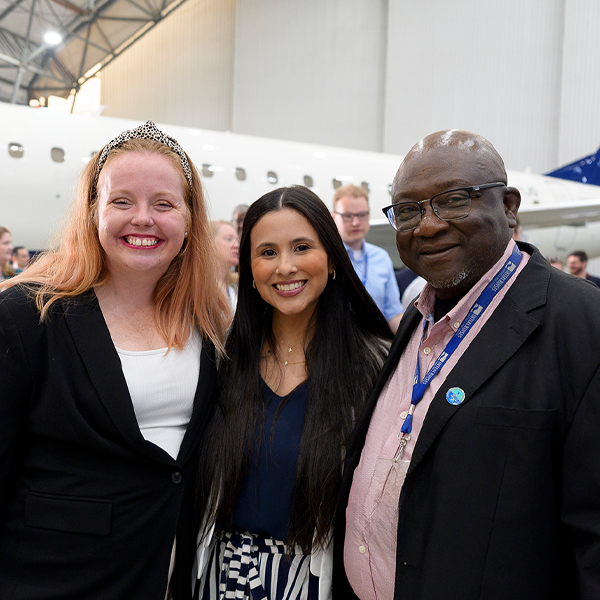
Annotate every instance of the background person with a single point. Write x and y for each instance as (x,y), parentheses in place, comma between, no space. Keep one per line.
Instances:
(414,288)
(492,486)
(372,264)
(228,253)
(20,259)
(556,262)
(6,268)
(306,343)
(577,263)
(404,277)
(107,373)
(237,218)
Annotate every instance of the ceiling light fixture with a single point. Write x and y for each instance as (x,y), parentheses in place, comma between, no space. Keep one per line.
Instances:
(52,38)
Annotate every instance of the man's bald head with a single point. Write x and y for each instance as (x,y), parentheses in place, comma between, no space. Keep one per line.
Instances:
(434,148)
(452,254)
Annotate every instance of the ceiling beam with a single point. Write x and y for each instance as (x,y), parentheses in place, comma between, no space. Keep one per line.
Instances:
(70,6)
(9,9)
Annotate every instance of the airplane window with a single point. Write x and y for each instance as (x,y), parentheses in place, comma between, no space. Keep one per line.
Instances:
(240,174)
(207,170)
(15,150)
(272,177)
(57,154)
(337,183)
(365,186)
(308,181)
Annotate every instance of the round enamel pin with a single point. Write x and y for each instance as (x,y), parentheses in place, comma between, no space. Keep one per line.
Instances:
(455,396)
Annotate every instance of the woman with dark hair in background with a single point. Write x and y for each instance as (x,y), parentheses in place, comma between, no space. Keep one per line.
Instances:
(107,366)
(305,346)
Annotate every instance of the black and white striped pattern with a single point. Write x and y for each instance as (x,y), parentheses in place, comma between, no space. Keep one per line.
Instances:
(247,567)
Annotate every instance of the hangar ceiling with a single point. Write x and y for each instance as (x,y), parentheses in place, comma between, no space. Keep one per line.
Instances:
(94,32)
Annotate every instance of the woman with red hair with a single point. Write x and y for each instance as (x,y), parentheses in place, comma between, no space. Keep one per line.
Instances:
(107,371)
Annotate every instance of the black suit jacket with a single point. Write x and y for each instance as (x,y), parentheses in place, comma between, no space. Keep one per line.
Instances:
(88,508)
(502,497)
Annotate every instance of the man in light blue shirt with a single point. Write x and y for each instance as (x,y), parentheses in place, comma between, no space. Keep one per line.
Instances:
(372,264)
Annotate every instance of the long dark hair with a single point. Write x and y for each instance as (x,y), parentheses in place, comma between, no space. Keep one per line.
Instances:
(342,361)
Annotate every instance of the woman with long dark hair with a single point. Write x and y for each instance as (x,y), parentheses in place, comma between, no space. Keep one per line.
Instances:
(304,348)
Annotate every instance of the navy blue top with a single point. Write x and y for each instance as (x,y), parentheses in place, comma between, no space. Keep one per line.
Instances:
(264,504)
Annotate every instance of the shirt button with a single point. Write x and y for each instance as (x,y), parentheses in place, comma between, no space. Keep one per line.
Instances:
(456,325)
(404,414)
(427,350)
(176,477)
(362,549)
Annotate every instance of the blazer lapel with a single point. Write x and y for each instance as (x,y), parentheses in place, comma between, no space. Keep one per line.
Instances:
(92,339)
(500,338)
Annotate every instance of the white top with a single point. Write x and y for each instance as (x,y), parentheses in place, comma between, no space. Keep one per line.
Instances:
(232,294)
(162,387)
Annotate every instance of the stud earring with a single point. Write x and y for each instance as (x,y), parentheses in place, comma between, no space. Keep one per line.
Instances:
(185,234)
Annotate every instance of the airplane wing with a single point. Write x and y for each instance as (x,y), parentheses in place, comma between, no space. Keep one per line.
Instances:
(555,214)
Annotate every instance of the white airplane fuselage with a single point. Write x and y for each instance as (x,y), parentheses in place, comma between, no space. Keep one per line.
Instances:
(36,190)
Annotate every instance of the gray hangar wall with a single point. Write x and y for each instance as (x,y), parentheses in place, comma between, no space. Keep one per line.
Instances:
(374,74)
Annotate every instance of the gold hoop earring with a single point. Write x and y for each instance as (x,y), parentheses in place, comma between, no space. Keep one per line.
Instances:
(253,284)
(333,274)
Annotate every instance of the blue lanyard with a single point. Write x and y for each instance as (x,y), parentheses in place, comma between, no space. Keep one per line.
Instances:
(364,281)
(366,269)
(479,306)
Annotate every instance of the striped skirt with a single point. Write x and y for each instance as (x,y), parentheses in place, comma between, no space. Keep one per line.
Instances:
(243,566)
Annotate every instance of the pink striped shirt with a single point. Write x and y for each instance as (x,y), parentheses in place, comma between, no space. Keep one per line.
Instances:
(372,513)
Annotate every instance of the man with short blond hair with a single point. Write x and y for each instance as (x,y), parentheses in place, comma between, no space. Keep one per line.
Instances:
(372,264)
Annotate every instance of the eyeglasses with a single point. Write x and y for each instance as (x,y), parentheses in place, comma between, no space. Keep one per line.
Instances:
(448,206)
(349,217)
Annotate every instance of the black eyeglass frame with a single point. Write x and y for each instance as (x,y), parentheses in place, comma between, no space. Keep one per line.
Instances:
(469,189)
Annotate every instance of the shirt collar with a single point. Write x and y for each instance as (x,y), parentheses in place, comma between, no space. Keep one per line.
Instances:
(357,253)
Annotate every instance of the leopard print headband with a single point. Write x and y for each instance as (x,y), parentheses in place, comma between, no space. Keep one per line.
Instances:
(147,131)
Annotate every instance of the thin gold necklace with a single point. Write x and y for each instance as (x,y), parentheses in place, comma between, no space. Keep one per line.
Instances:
(286,362)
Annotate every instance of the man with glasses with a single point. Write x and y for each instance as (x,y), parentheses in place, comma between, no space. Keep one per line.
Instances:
(474,471)
(372,264)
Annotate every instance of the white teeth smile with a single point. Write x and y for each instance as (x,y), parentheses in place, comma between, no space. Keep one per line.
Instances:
(288,287)
(136,241)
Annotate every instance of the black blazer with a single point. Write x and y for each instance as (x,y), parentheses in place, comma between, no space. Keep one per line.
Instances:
(502,497)
(88,508)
